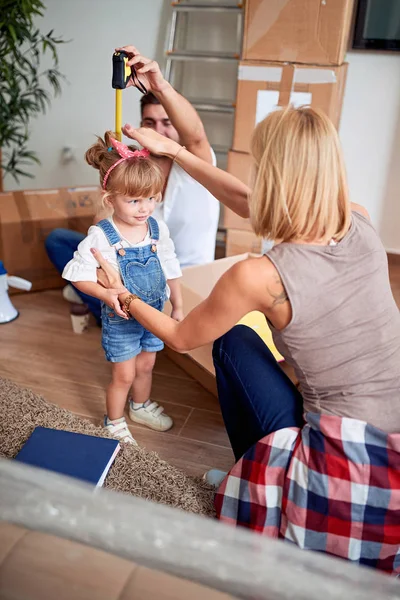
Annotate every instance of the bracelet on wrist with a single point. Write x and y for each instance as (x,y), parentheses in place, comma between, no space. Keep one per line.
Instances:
(127,302)
(176,155)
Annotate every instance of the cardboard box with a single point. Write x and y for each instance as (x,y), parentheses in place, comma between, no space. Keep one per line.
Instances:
(263,87)
(241,166)
(239,242)
(302,31)
(197,283)
(26,219)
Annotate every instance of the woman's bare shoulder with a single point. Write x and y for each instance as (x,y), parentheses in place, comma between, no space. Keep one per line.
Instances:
(360,209)
(259,276)
(255,267)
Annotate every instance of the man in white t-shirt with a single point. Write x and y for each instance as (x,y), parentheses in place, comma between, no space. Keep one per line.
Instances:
(189,210)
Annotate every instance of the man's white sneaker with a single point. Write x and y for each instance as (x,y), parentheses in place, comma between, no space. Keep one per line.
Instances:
(150,414)
(119,430)
(70,295)
(215,477)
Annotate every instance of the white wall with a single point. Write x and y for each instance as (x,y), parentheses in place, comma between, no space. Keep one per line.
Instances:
(86,106)
(390,215)
(370,134)
(370,126)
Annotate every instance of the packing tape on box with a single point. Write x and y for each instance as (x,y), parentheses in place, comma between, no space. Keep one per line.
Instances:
(27,226)
(54,208)
(259,73)
(274,74)
(70,207)
(38,199)
(286,85)
(287,77)
(315,76)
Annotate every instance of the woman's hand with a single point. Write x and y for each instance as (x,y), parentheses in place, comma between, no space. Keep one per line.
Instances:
(111,280)
(107,276)
(156,143)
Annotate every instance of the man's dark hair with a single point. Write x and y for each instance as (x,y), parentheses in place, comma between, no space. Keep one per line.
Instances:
(148,98)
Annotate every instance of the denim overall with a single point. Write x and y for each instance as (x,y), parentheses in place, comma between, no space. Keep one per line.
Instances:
(142,274)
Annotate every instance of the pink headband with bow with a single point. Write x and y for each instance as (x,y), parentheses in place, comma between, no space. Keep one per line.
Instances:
(124,153)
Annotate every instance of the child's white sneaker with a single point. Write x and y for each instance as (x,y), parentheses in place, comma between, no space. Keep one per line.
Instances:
(151,414)
(119,430)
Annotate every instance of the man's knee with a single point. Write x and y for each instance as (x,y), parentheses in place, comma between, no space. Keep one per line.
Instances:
(55,238)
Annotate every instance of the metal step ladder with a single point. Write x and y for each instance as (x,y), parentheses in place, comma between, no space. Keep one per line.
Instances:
(177,25)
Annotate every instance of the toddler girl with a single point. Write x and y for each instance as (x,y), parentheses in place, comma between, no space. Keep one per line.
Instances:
(143,252)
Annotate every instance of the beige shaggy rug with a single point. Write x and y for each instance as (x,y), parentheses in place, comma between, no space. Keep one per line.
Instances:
(135,471)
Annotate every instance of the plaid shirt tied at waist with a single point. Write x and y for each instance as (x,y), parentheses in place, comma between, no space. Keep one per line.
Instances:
(332,486)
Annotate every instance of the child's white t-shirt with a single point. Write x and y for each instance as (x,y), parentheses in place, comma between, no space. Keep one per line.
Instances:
(82,267)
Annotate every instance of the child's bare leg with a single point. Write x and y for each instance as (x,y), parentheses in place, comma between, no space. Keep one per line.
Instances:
(141,409)
(141,386)
(123,375)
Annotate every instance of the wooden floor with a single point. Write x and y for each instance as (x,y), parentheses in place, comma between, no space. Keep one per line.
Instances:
(40,351)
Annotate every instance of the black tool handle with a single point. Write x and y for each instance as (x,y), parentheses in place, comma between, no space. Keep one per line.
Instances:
(122,73)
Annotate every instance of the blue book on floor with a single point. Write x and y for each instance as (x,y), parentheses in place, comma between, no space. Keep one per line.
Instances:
(77,455)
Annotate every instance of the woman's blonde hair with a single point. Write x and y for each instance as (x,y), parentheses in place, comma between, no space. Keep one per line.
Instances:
(300,190)
(134,177)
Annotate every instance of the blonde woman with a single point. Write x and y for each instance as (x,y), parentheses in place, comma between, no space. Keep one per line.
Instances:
(318,465)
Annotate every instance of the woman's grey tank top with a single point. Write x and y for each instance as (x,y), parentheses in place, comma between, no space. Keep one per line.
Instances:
(344,336)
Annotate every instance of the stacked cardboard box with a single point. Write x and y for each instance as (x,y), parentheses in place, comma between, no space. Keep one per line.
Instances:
(197,283)
(26,219)
(293,53)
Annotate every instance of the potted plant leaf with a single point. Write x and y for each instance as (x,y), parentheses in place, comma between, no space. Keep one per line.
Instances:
(26,88)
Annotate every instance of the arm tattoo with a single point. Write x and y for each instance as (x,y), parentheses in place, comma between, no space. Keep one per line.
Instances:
(279,297)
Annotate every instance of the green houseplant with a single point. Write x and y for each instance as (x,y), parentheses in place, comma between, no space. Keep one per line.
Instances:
(26,88)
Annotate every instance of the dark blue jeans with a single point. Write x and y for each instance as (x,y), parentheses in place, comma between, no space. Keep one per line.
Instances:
(255,395)
(60,247)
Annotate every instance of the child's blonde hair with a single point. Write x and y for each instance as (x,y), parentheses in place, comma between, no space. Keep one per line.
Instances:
(300,190)
(134,177)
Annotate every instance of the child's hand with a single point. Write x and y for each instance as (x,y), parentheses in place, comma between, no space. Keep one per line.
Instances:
(110,297)
(177,314)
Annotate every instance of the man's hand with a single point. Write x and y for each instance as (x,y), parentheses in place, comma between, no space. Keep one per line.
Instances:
(181,113)
(147,70)
(153,141)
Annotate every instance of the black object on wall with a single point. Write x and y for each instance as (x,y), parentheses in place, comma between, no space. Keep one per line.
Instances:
(377,25)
